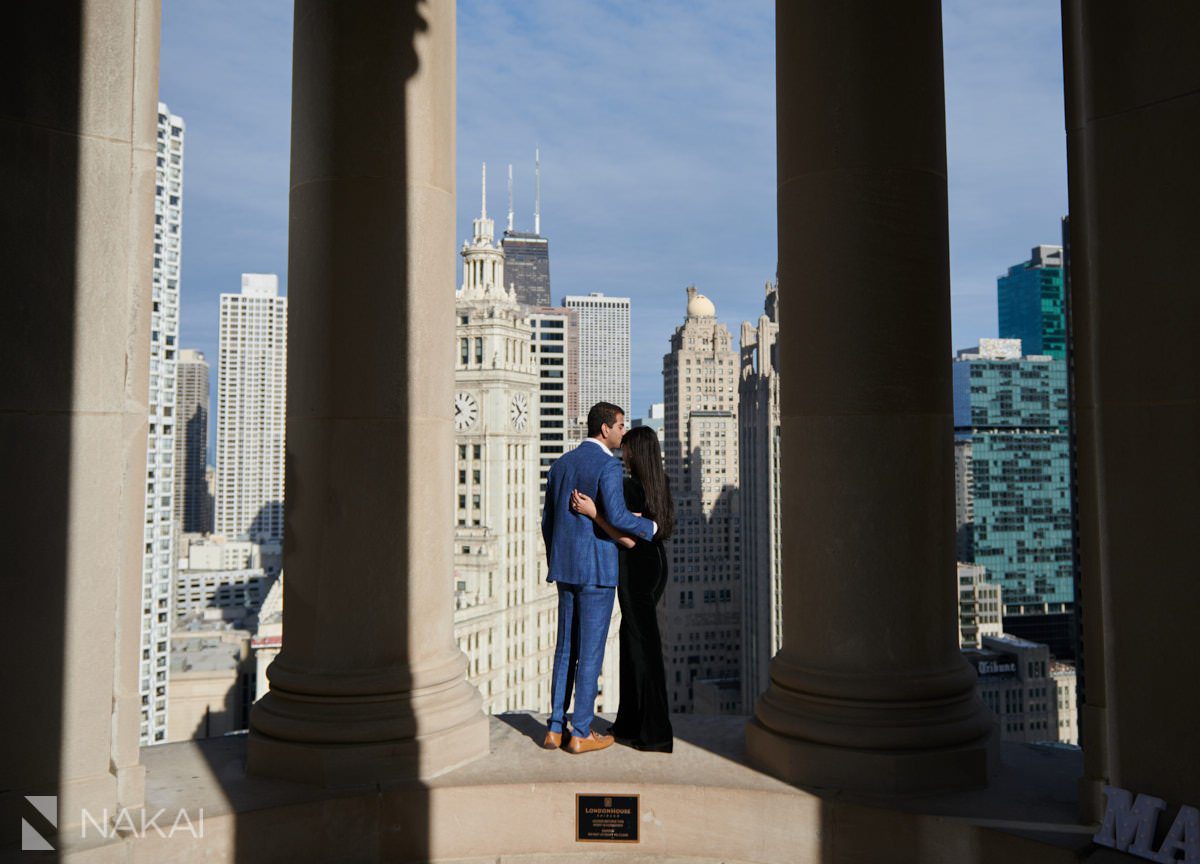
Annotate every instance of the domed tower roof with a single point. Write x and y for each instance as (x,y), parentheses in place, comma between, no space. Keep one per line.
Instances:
(699,306)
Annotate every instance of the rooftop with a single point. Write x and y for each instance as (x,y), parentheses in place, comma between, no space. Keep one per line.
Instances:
(1014,641)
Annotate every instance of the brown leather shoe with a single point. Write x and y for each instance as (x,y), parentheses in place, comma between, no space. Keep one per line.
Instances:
(553,740)
(588,744)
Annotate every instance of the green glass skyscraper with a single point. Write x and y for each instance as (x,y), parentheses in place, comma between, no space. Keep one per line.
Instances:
(1014,410)
(1031,302)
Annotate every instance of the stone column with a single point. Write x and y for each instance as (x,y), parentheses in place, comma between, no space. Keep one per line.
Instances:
(869,691)
(1133,130)
(369,685)
(77,134)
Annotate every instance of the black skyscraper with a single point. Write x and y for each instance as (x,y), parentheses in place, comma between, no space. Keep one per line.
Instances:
(527,266)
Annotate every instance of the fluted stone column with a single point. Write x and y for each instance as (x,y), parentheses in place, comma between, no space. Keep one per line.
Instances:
(869,691)
(77,149)
(370,684)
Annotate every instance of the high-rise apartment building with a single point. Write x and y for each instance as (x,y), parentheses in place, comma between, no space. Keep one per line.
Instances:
(505,613)
(1032,305)
(555,347)
(251,410)
(192,512)
(603,349)
(1013,409)
(702,638)
(158,557)
(758,448)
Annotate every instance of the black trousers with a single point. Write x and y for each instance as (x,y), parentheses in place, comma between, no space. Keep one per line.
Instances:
(644,716)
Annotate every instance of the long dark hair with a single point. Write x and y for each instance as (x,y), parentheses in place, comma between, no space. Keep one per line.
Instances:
(644,458)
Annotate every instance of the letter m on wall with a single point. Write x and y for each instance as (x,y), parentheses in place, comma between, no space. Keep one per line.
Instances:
(1129,824)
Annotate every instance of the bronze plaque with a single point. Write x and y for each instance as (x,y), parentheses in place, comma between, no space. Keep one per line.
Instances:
(606,818)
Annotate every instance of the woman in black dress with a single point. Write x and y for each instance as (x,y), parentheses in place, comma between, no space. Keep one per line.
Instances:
(643,719)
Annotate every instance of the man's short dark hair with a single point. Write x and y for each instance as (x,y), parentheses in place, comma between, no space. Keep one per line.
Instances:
(602,413)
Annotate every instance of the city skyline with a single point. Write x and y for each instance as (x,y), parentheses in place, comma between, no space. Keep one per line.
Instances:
(671,216)
(639,219)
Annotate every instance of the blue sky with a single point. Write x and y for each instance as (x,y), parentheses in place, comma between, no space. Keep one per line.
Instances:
(656,128)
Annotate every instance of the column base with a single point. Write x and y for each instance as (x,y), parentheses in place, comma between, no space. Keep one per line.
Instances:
(375,726)
(359,764)
(882,772)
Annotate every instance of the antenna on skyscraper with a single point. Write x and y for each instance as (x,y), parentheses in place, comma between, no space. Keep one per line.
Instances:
(510,200)
(483,195)
(537,191)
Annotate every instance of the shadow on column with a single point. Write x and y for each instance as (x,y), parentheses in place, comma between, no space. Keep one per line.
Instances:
(39,173)
(233,714)
(339,684)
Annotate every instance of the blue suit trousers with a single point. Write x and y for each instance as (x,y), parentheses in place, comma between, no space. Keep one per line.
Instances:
(584,612)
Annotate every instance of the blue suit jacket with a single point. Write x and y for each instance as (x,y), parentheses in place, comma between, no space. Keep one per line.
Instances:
(577,551)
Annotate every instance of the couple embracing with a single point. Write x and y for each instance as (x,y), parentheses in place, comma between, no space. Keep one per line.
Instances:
(604,535)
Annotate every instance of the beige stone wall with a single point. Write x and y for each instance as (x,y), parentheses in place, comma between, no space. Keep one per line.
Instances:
(204,704)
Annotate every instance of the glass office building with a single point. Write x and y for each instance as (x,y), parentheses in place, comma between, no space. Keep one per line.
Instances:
(1031,302)
(1013,409)
(527,266)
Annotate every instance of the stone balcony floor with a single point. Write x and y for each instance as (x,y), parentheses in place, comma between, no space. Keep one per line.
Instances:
(701,803)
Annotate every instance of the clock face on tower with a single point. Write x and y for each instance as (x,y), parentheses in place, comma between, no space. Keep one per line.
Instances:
(466,411)
(519,412)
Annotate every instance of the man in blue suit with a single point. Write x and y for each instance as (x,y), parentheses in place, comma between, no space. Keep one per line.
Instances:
(583,564)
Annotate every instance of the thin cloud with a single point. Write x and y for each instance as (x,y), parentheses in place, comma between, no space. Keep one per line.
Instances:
(656,124)
(1005,146)
(657,131)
